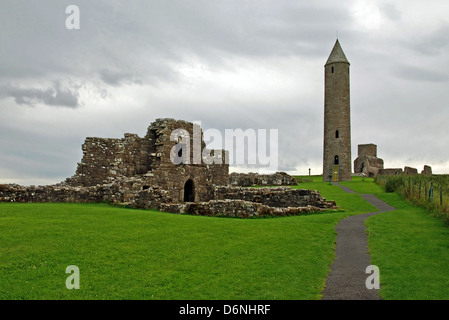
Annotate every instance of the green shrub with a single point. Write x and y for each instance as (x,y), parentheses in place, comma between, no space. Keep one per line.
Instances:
(393,184)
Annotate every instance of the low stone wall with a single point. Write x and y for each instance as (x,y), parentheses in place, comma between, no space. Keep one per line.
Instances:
(407,170)
(113,193)
(151,198)
(280,197)
(16,193)
(391,172)
(236,208)
(228,200)
(255,179)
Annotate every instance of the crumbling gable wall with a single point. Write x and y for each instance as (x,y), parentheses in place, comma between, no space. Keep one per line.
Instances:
(150,158)
(427,171)
(105,159)
(173,177)
(367,161)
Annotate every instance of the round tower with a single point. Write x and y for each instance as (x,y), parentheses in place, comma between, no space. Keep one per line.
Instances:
(337,119)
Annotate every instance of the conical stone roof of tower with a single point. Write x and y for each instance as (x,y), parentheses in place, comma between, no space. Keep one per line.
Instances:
(337,55)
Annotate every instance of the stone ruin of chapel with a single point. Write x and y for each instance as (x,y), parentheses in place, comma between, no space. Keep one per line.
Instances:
(146,162)
(139,172)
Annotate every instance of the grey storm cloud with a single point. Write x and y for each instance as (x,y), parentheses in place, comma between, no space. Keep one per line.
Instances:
(55,95)
(124,42)
(434,42)
(415,73)
(116,78)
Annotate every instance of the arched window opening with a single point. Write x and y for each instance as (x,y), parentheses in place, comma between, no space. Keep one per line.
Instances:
(337,134)
(336,160)
(332,69)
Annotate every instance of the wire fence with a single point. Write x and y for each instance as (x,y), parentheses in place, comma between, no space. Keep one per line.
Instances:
(429,191)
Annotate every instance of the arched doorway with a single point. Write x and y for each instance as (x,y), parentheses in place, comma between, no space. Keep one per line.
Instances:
(189,191)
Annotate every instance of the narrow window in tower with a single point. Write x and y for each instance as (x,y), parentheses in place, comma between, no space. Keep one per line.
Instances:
(336,160)
(332,69)
(337,135)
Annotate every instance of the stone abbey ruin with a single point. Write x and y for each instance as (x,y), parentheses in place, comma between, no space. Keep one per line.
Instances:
(368,164)
(140,173)
(367,161)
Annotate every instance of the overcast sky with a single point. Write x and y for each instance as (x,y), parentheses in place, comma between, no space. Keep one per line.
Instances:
(228,63)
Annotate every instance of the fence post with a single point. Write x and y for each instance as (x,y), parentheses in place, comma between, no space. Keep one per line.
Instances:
(431,192)
(409,186)
(420,190)
(425,191)
(441,197)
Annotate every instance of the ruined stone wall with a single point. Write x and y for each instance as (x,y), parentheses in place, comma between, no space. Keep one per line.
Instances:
(391,171)
(105,159)
(173,177)
(150,198)
(367,161)
(151,159)
(410,170)
(369,149)
(219,174)
(407,170)
(33,194)
(233,201)
(427,170)
(280,197)
(255,179)
(159,135)
(139,173)
(236,208)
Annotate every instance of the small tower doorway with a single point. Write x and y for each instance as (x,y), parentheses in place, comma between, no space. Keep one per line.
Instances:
(335,170)
(189,191)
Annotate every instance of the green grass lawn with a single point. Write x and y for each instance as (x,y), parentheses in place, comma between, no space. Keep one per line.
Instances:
(411,248)
(141,254)
(138,254)
(363,186)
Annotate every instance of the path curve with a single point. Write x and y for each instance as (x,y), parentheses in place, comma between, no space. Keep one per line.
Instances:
(346,280)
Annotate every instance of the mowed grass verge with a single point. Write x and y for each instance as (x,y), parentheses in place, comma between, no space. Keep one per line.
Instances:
(139,254)
(411,248)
